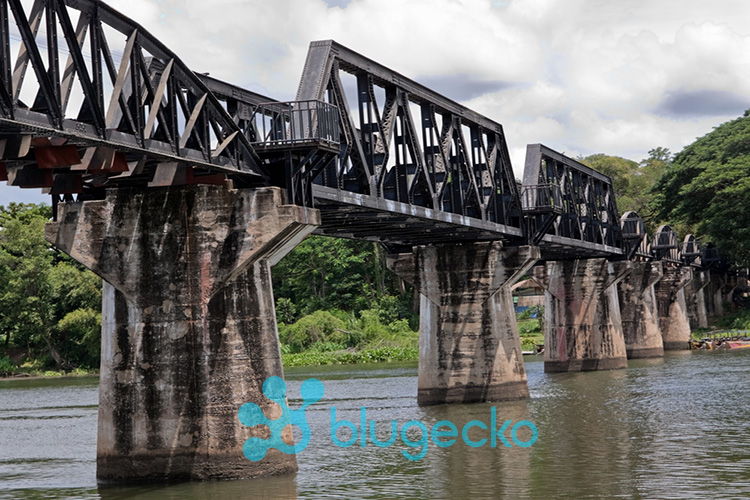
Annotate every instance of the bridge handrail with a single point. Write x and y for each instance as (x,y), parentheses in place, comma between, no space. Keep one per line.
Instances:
(296,122)
(542,199)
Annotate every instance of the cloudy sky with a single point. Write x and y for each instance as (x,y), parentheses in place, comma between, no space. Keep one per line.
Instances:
(580,76)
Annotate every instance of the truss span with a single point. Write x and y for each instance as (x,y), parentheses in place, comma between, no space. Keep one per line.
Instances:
(89,99)
(406,149)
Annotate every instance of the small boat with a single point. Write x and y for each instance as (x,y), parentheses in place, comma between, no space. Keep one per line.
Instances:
(723,339)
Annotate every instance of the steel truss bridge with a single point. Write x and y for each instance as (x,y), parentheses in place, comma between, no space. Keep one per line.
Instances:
(90,101)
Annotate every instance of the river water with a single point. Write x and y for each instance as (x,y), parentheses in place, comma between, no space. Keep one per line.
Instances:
(677,427)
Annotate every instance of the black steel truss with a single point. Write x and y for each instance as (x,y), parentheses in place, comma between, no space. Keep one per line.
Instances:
(635,239)
(406,144)
(89,80)
(569,205)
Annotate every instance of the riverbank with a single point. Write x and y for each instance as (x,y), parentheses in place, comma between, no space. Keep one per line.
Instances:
(42,374)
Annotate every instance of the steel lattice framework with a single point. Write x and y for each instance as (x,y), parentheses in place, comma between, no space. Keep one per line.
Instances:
(666,246)
(92,92)
(636,244)
(570,207)
(407,155)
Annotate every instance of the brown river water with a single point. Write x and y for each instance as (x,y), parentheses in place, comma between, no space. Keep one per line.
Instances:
(677,427)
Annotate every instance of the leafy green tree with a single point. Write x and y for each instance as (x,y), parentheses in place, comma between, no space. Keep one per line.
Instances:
(325,273)
(49,305)
(707,188)
(25,292)
(633,182)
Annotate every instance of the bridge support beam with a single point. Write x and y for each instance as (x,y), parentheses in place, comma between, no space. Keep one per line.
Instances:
(640,315)
(469,348)
(695,299)
(188,325)
(582,324)
(727,293)
(673,315)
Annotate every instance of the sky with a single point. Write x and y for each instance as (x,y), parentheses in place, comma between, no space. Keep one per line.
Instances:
(580,76)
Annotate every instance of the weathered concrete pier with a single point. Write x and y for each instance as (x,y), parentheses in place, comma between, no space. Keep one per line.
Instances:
(582,324)
(188,324)
(672,306)
(695,298)
(469,348)
(639,311)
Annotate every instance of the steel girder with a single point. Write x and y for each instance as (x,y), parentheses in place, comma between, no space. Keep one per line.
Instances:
(409,150)
(635,239)
(570,207)
(108,100)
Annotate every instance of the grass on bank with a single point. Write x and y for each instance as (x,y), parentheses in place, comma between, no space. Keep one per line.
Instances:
(37,368)
(739,320)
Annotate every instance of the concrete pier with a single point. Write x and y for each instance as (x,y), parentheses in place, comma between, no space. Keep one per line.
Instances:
(188,324)
(695,299)
(712,294)
(469,349)
(583,328)
(639,312)
(673,314)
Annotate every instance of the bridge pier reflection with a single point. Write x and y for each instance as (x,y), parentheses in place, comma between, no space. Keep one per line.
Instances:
(640,316)
(582,324)
(188,324)
(469,348)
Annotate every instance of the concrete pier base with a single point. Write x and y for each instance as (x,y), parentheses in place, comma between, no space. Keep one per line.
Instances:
(188,325)
(640,315)
(670,301)
(695,299)
(583,328)
(469,349)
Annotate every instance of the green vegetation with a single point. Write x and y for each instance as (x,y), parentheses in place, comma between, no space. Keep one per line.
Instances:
(737,321)
(707,189)
(633,182)
(336,303)
(49,305)
(531,330)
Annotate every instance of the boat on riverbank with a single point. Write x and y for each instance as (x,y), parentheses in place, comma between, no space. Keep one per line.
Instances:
(723,339)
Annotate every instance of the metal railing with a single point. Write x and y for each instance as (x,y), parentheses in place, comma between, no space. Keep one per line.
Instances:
(296,123)
(542,199)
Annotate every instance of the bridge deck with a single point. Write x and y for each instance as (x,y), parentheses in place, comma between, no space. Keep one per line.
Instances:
(352,215)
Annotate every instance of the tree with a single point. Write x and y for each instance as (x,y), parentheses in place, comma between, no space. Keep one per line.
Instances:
(707,188)
(633,182)
(49,305)
(25,292)
(324,273)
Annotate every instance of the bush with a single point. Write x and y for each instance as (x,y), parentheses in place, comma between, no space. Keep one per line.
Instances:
(7,367)
(316,327)
(384,354)
(81,330)
(737,321)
